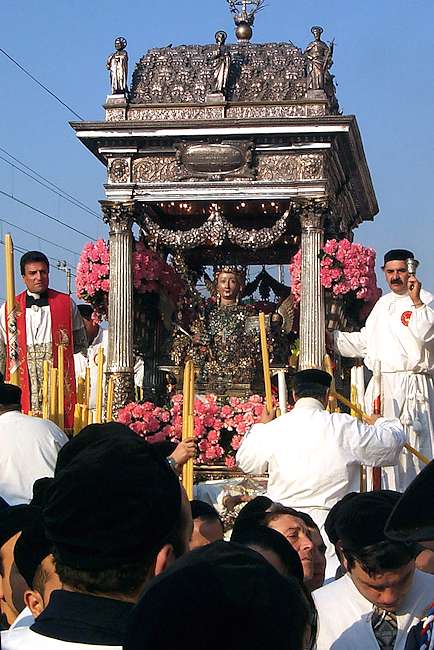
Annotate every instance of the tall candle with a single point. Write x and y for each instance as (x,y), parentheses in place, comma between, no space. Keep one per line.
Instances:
(11,325)
(265,362)
(99,385)
(61,386)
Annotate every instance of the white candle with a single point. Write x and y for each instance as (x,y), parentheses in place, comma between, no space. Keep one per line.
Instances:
(283,392)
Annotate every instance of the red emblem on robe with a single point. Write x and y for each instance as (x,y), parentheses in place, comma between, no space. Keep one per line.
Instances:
(405,318)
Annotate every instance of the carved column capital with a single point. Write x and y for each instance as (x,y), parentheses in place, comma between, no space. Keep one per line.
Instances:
(119,215)
(312,214)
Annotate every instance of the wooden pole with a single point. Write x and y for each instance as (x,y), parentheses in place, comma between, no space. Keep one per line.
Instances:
(99,385)
(265,362)
(11,324)
(87,387)
(61,386)
(364,416)
(377,410)
(328,367)
(188,424)
(53,394)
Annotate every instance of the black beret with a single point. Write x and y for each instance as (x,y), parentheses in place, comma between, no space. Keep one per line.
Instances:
(219,582)
(31,548)
(10,394)
(398,254)
(115,502)
(93,434)
(412,519)
(203,509)
(13,519)
(311,376)
(251,515)
(361,520)
(333,516)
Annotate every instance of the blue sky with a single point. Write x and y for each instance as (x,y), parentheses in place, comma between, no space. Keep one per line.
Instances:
(383,66)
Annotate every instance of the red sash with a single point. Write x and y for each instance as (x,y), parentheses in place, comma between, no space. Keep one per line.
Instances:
(61,333)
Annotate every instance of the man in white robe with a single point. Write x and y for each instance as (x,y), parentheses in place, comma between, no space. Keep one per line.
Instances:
(382,595)
(399,333)
(313,457)
(45,319)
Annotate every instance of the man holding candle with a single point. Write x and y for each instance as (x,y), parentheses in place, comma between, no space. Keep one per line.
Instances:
(313,457)
(46,319)
(399,334)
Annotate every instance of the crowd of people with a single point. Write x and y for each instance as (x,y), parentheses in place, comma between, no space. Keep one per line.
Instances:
(101,548)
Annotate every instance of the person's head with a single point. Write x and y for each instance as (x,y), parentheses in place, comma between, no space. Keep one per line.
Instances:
(319,553)
(35,562)
(311,383)
(229,285)
(220,37)
(92,328)
(317,31)
(10,397)
(251,515)
(120,43)
(331,522)
(288,522)
(274,547)
(207,525)
(35,269)
(381,570)
(12,521)
(412,519)
(395,270)
(238,586)
(116,516)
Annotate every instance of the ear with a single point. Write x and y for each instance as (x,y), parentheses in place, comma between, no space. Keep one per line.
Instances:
(34,602)
(164,559)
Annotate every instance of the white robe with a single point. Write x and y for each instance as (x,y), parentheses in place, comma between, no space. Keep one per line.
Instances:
(406,354)
(313,458)
(28,451)
(345,615)
(26,639)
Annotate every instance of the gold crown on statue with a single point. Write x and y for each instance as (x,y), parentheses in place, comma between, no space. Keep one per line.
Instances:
(237,269)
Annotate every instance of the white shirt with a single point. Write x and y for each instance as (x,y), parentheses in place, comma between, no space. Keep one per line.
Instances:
(24,619)
(313,457)
(28,451)
(386,339)
(345,615)
(25,639)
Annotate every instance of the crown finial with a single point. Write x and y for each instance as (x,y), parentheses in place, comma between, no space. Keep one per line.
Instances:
(244,12)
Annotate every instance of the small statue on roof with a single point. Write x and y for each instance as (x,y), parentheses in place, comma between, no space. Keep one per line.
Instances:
(222,63)
(117,63)
(319,61)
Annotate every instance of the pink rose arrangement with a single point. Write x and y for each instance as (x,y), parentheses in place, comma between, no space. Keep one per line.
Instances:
(150,274)
(346,268)
(219,430)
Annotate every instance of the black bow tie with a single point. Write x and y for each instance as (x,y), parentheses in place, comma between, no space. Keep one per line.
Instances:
(42,301)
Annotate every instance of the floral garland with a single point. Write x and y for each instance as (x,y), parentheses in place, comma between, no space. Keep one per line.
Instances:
(219,430)
(346,269)
(150,274)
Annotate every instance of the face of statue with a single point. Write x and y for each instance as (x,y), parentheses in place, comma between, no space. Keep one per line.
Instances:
(317,34)
(228,288)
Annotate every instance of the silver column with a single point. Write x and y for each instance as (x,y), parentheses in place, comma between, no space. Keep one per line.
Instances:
(312,318)
(120,362)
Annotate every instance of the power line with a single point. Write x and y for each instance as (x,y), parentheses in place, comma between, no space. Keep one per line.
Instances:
(40,84)
(58,191)
(45,214)
(47,241)
(23,250)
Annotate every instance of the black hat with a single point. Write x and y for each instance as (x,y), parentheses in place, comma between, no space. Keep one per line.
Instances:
(251,515)
(116,502)
(310,377)
(203,510)
(412,519)
(10,394)
(398,254)
(333,517)
(361,520)
(30,549)
(13,519)
(93,434)
(220,582)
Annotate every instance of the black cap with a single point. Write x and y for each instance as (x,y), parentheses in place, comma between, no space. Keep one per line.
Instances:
(115,502)
(93,434)
(30,549)
(203,510)
(361,520)
(10,394)
(251,515)
(14,519)
(412,519)
(398,254)
(258,607)
(333,517)
(311,377)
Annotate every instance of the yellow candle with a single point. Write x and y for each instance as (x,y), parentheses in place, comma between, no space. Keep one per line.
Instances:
(185,399)
(110,392)
(87,387)
(80,390)
(265,362)
(188,424)
(85,414)
(53,395)
(77,419)
(61,386)
(99,385)
(14,374)
(46,390)
(328,367)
